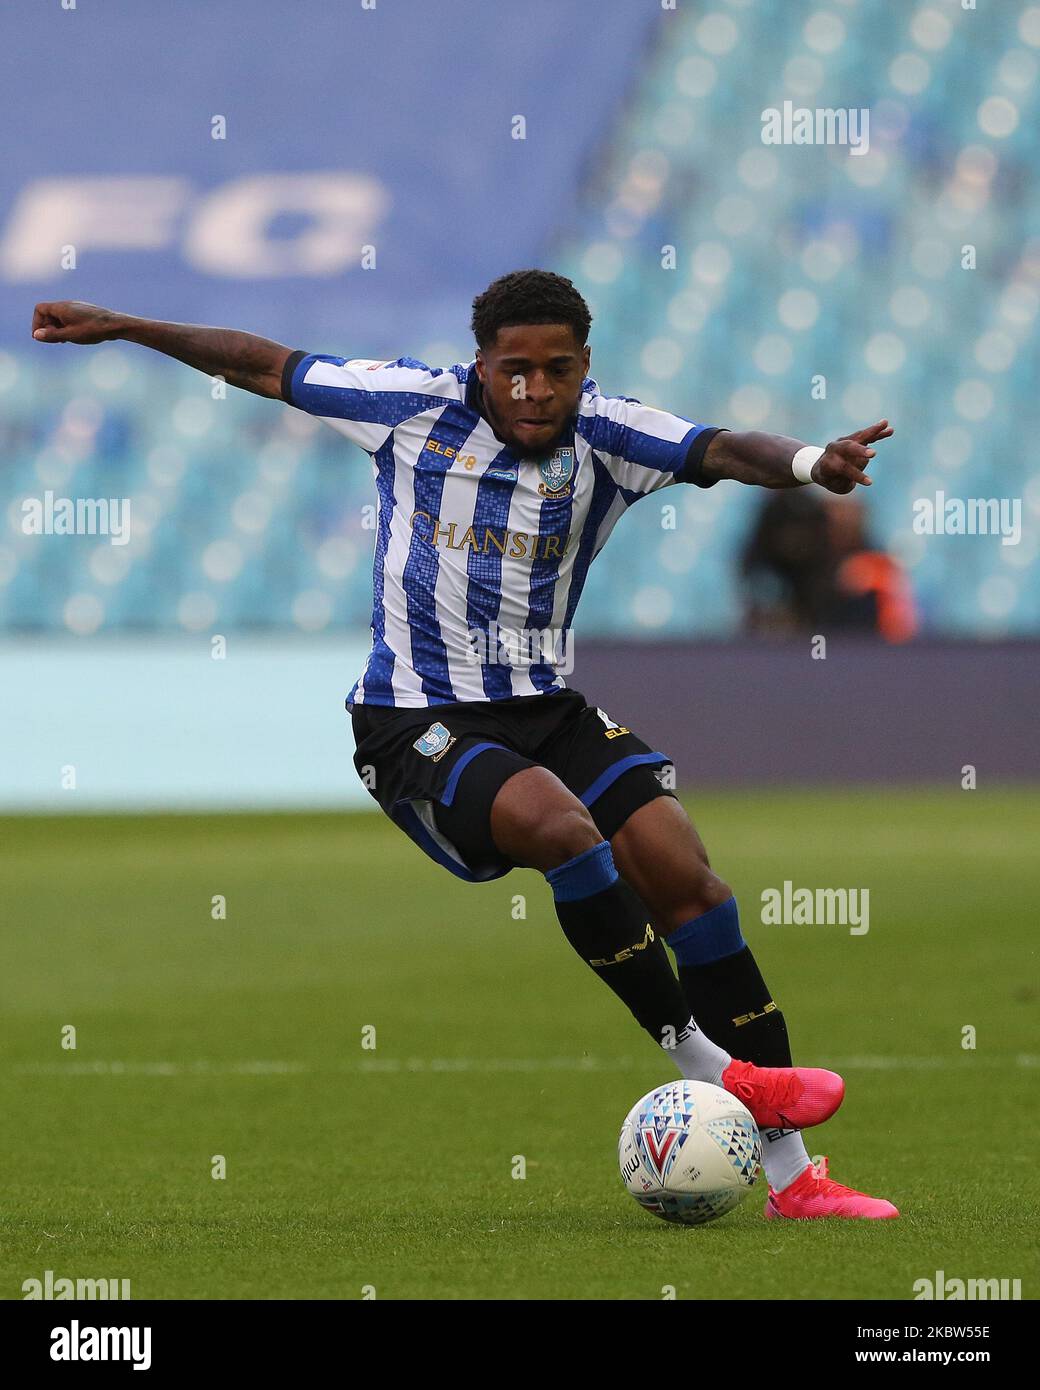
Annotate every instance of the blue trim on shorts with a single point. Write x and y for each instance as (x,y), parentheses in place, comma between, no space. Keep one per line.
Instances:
(608,778)
(453,778)
(409,821)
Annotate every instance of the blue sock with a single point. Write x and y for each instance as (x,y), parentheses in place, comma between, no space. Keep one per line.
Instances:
(709,937)
(587,873)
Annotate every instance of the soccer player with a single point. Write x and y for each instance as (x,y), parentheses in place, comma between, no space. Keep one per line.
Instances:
(499,482)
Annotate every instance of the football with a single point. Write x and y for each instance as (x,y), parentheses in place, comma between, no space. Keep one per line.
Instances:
(689,1152)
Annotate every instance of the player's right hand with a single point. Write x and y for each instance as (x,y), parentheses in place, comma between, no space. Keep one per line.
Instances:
(72,321)
(841,465)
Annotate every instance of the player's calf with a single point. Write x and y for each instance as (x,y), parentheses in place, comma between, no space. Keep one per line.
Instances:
(659,850)
(660,853)
(606,924)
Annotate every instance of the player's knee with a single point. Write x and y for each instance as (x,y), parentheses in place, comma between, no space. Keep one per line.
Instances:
(550,837)
(563,834)
(700,892)
(537,822)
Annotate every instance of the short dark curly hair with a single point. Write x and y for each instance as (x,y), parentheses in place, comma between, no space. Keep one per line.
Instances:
(529,296)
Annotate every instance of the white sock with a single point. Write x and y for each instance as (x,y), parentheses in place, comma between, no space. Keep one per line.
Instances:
(697,1057)
(784,1156)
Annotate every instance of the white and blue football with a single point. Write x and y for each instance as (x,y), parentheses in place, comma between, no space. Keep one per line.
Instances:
(689,1152)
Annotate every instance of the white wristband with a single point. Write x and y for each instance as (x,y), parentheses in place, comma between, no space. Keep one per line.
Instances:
(802,463)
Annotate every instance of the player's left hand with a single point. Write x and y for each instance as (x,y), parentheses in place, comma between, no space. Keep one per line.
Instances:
(841,465)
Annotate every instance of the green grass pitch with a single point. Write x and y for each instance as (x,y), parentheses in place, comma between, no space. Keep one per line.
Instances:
(392,1169)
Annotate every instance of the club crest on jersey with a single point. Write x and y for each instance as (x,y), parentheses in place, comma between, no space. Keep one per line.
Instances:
(435,742)
(557,471)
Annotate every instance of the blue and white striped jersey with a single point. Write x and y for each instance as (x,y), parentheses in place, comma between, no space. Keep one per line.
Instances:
(479,551)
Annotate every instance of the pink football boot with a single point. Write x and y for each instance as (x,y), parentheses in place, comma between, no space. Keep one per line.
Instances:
(813,1195)
(785,1097)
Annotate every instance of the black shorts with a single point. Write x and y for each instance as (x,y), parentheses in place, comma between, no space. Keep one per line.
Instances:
(436,771)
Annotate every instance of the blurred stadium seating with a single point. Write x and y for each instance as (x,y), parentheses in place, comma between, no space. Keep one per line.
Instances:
(786,271)
(791,263)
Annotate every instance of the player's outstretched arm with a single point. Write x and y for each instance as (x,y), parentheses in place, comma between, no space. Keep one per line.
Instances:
(242,359)
(765,459)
